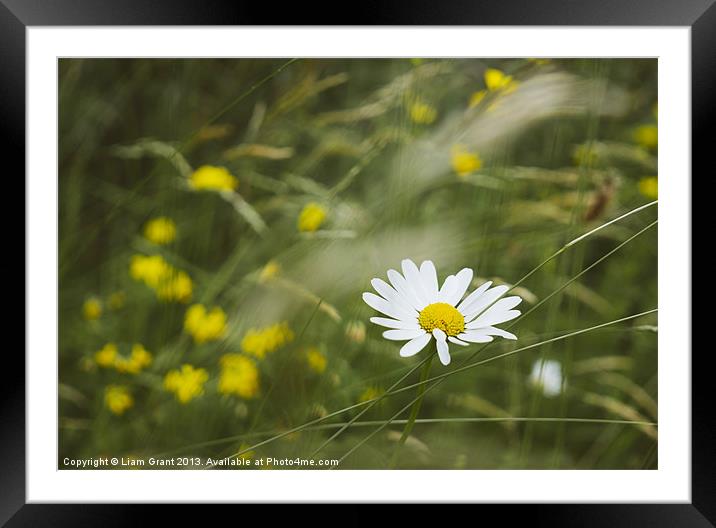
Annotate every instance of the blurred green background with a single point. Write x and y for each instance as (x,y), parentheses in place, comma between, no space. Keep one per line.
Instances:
(219,220)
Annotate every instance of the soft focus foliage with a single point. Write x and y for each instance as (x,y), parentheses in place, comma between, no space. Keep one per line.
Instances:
(219,220)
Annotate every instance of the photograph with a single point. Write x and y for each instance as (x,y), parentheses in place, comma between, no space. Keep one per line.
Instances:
(427,263)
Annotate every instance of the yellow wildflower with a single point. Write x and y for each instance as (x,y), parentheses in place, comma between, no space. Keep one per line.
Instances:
(161,230)
(212,178)
(647,136)
(649,187)
(312,217)
(186,382)
(107,355)
(259,342)
(239,376)
(116,300)
(118,399)
(269,271)
(355,331)
(316,360)
(205,325)
(370,393)
(169,283)
(92,309)
(422,113)
(496,80)
(139,359)
(463,162)
(176,286)
(149,269)
(477,97)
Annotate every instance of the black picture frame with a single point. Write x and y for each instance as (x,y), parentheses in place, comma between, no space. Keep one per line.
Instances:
(699,15)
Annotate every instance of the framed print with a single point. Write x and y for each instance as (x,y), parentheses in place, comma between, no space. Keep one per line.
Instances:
(419,262)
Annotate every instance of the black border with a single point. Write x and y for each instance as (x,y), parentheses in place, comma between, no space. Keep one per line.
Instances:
(16,15)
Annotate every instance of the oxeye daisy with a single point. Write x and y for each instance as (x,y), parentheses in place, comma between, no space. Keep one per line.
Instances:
(418,309)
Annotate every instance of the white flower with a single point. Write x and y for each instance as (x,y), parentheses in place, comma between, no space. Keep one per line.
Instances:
(547,375)
(419,309)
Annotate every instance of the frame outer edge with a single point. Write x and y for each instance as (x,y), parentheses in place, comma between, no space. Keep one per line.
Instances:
(12,390)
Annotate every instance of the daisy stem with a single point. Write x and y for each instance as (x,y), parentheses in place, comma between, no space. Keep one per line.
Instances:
(424,374)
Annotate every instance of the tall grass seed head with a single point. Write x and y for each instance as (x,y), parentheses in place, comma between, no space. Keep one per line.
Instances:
(355,331)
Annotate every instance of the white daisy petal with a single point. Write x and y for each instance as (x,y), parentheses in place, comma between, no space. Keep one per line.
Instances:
(494,315)
(447,288)
(485,300)
(430,280)
(474,336)
(443,350)
(391,295)
(499,312)
(388,308)
(415,345)
(492,319)
(393,323)
(467,301)
(403,335)
(491,330)
(414,281)
(462,281)
(402,287)
(457,341)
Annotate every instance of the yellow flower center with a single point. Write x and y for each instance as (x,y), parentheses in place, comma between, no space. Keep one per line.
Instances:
(443,316)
